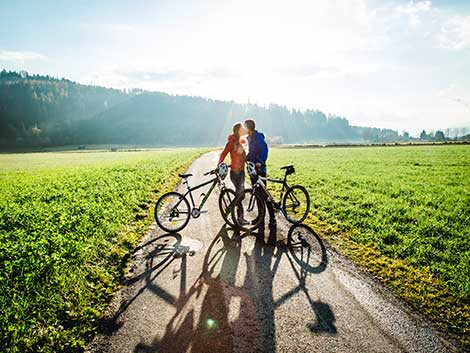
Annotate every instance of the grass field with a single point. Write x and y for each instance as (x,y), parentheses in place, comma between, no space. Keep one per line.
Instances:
(69,220)
(401,212)
(67,224)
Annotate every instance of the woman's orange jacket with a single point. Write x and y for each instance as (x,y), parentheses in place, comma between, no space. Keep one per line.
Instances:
(237,154)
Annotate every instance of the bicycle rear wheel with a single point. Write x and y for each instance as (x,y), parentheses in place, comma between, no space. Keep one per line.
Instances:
(296,204)
(226,198)
(248,210)
(172,212)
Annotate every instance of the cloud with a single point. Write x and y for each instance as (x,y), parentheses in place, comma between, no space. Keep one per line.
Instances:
(344,38)
(115,31)
(431,25)
(345,56)
(133,76)
(308,71)
(455,93)
(466,103)
(448,91)
(20,56)
(157,79)
(455,33)
(413,7)
(157,76)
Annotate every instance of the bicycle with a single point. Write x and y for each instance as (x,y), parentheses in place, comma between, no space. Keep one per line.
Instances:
(248,209)
(173,211)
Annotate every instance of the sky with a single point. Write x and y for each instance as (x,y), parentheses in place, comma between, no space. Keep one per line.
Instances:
(396,64)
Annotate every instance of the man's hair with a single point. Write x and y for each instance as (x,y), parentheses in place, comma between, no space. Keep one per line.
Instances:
(250,124)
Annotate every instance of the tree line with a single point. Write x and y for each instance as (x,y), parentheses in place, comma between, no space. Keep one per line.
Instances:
(38,110)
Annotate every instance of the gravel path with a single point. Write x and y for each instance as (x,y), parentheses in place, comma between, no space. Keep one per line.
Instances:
(241,293)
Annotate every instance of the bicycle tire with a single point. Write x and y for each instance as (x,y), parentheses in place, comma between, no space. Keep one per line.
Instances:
(159,219)
(225,210)
(258,216)
(288,196)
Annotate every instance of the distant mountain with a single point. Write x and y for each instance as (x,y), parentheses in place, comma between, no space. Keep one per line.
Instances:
(43,111)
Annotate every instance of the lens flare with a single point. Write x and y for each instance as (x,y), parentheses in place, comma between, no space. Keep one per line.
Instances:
(211,324)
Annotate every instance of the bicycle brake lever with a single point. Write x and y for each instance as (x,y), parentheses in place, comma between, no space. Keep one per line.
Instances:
(210,172)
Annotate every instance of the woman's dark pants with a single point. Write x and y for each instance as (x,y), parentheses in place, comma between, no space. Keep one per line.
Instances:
(238,180)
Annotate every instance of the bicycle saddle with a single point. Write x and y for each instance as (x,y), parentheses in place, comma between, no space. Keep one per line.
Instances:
(184,175)
(287,166)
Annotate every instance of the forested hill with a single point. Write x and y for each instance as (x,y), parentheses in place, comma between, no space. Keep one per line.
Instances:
(43,111)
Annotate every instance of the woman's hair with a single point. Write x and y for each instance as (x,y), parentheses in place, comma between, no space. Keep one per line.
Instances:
(236,130)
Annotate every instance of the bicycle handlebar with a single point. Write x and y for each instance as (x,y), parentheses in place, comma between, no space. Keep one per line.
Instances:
(210,172)
(213,171)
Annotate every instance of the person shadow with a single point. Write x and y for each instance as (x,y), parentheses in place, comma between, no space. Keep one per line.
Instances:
(306,255)
(211,330)
(232,308)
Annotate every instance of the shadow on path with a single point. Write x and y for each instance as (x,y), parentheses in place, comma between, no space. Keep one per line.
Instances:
(163,253)
(230,307)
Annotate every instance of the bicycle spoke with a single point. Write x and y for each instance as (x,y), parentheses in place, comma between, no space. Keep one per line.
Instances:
(171,212)
(247,210)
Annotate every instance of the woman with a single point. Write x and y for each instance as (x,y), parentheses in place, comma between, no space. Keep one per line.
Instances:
(238,157)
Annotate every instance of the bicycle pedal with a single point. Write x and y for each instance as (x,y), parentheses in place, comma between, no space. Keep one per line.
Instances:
(205,211)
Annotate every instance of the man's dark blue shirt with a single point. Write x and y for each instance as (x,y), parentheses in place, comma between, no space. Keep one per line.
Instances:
(257,149)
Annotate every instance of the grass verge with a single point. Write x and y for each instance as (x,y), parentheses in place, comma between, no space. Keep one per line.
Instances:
(402,214)
(68,222)
(419,287)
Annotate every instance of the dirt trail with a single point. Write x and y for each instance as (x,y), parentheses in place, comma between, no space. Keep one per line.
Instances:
(238,293)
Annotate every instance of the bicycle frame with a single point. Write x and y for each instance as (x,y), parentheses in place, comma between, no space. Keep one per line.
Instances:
(289,204)
(261,182)
(215,181)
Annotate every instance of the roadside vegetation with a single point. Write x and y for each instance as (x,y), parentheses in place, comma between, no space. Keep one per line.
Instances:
(402,213)
(68,222)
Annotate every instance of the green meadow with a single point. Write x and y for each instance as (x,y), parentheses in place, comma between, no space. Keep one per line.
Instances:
(68,222)
(403,213)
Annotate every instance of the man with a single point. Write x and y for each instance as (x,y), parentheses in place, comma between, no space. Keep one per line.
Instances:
(258,154)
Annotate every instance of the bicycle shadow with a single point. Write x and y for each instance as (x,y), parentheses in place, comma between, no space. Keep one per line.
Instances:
(224,306)
(307,249)
(313,259)
(212,329)
(164,249)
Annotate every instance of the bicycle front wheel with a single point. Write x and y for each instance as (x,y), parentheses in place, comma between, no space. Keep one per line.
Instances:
(248,210)
(172,212)
(226,198)
(296,204)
